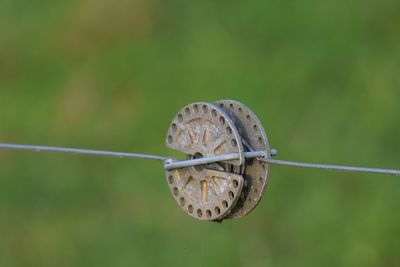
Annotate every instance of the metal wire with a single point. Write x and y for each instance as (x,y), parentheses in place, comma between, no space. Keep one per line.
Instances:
(331,167)
(171,164)
(82,151)
(200,161)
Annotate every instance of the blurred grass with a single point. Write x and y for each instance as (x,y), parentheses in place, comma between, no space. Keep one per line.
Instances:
(322,76)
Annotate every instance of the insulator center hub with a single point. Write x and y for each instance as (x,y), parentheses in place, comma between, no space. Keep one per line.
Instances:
(198,155)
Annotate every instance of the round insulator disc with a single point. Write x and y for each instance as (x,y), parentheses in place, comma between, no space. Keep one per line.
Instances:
(256,172)
(210,191)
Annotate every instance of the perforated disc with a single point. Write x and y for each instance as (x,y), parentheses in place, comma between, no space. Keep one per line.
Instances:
(206,192)
(256,172)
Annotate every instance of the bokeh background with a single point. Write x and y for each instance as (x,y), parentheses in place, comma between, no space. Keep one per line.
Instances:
(323,76)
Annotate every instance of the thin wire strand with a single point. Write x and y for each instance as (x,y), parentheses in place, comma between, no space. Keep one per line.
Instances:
(188,162)
(211,159)
(331,167)
(82,151)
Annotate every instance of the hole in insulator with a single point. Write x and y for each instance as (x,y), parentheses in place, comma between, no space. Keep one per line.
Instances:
(225,203)
(171,179)
(221,104)
(208,212)
(180,118)
(217,210)
(190,209)
(214,113)
(199,213)
(228,130)
(222,120)
(235,183)
(231,195)
(170,139)
(198,155)
(255,127)
(176,191)
(196,108)
(187,111)
(234,143)
(231,105)
(248,117)
(205,109)
(182,201)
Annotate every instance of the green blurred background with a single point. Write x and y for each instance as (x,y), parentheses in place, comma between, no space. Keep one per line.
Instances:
(323,76)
